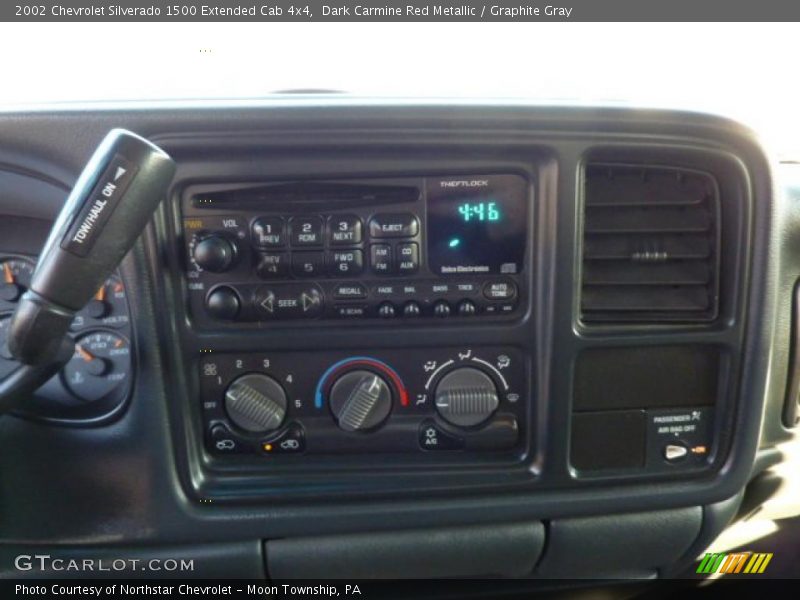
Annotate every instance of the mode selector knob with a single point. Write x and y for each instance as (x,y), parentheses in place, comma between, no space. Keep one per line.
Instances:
(360,400)
(466,397)
(256,403)
(214,253)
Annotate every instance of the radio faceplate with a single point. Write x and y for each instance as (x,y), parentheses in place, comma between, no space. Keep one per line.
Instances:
(446,247)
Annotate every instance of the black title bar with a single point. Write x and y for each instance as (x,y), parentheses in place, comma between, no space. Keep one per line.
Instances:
(398,11)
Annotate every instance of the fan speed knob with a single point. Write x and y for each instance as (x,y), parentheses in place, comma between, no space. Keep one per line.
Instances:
(256,403)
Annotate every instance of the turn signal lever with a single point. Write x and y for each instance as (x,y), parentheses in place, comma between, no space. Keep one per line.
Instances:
(108,208)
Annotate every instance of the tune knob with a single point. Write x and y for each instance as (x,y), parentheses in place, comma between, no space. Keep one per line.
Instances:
(466,397)
(223,303)
(214,253)
(256,403)
(360,400)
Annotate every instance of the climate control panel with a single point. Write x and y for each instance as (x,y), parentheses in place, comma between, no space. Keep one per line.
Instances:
(455,400)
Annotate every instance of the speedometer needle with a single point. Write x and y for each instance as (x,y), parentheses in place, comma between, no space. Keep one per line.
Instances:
(8,276)
(84,354)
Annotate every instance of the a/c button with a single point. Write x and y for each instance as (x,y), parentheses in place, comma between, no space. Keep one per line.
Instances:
(431,437)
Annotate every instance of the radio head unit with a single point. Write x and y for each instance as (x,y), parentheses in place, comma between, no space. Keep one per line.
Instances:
(447,247)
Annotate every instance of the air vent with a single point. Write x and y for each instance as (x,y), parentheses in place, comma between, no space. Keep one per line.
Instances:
(650,245)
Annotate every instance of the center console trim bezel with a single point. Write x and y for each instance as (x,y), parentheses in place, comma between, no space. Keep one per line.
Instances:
(550,147)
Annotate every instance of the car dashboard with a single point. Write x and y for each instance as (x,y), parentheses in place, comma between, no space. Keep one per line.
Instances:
(408,339)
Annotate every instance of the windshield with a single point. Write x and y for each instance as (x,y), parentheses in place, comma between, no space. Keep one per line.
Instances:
(744,71)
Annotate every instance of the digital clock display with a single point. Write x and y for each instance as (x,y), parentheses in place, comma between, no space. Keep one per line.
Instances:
(479,211)
(477,224)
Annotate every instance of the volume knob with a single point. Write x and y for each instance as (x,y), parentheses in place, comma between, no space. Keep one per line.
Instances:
(214,253)
(256,403)
(466,397)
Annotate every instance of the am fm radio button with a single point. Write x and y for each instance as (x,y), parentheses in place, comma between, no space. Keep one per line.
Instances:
(380,258)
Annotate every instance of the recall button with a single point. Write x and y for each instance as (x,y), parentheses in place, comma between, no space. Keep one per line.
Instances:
(345,291)
(500,290)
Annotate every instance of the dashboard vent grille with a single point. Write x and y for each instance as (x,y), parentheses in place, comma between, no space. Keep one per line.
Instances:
(650,245)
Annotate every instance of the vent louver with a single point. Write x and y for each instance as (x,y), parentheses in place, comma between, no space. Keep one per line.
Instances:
(651,245)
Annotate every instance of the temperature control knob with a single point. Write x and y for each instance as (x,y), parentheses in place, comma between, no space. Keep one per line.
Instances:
(256,403)
(466,397)
(214,253)
(360,400)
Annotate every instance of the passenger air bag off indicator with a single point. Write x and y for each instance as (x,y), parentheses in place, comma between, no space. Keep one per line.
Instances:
(679,438)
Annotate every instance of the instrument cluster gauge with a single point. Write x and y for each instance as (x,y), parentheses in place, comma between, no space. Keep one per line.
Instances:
(100,366)
(108,307)
(15,277)
(98,378)
(7,363)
